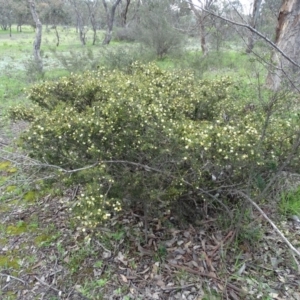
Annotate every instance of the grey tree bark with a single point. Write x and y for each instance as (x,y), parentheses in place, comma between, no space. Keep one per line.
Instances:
(287,40)
(201,15)
(253,22)
(110,16)
(92,6)
(124,11)
(38,36)
(80,23)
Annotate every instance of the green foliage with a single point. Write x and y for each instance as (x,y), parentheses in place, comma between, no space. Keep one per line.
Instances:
(18,112)
(124,34)
(149,134)
(33,70)
(122,56)
(215,61)
(155,29)
(75,61)
(290,203)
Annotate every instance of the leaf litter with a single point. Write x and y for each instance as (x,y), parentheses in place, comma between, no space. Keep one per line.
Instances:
(57,261)
(173,263)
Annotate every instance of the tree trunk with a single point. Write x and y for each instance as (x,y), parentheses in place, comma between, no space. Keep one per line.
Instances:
(57,36)
(287,40)
(92,6)
(110,16)
(124,14)
(80,25)
(38,36)
(201,16)
(253,22)
(203,38)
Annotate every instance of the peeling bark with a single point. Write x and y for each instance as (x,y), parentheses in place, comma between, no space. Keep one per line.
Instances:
(288,40)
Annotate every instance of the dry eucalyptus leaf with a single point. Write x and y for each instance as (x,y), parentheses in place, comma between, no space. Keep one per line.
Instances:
(171,242)
(186,234)
(160,283)
(124,279)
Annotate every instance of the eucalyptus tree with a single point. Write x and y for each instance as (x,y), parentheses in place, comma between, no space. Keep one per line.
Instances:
(6,15)
(55,13)
(154,27)
(21,13)
(124,8)
(253,22)
(93,11)
(81,15)
(110,10)
(38,36)
(199,8)
(287,62)
(268,22)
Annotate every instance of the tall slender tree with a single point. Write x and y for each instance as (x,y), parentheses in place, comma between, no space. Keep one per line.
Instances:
(253,22)
(93,6)
(80,20)
(202,18)
(124,12)
(110,16)
(38,36)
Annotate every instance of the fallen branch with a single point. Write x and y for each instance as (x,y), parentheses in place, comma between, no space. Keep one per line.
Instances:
(47,285)
(208,276)
(171,288)
(229,236)
(13,277)
(270,222)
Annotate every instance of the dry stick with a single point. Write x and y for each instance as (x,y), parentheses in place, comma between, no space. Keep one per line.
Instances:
(270,221)
(105,249)
(206,275)
(47,285)
(228,236)
(16,278)
(170,288)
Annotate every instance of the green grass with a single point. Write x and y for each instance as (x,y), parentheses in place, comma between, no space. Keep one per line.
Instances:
(10,89)
(290,203)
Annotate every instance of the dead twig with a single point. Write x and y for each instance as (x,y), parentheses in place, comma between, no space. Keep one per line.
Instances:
(208,276)
(47,285)
(13,277)
(229,236)
(270,222)
(170,288)
(105,249)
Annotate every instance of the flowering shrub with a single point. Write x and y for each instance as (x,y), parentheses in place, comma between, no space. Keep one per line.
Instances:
(150,134)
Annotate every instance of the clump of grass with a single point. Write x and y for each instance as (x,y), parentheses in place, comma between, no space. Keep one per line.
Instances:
(290,203)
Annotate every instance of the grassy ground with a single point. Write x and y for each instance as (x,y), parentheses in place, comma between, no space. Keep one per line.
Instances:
(44,256)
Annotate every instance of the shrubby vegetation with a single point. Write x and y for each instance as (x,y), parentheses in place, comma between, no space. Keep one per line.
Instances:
(154,136)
